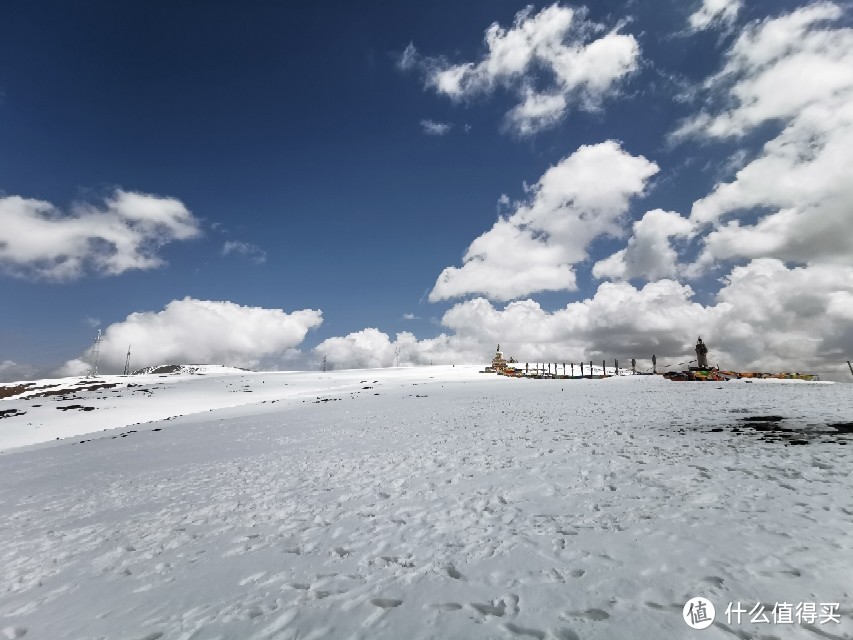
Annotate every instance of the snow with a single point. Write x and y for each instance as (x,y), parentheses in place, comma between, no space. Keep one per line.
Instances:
(452,504)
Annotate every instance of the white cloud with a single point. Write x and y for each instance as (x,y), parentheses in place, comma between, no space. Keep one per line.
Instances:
(409,58)
(779,318)
(410,316)
(766,317)
(193,331)
(714,13)
(618,321)
(792,199)
(537,111)
(578,65)
(649,253)
(371,348)
(581,198)
(39,241)
(432,128)
(245,249)
(11,371)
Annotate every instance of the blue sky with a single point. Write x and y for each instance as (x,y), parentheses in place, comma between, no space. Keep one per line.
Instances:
(301,146)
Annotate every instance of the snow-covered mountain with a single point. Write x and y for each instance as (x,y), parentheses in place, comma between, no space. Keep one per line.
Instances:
(421,503)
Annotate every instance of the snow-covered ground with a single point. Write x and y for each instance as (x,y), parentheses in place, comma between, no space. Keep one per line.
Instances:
(423,503)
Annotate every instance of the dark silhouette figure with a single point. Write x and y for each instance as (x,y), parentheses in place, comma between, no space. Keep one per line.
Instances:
(701,355)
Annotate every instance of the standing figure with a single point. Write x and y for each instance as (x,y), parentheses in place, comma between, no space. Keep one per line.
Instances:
(701,355)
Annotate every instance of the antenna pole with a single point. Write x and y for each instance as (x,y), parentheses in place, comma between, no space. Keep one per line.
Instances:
(96,354)
(127,362)
(324,364)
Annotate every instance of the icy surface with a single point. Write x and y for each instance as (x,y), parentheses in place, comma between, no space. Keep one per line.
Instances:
(297,505)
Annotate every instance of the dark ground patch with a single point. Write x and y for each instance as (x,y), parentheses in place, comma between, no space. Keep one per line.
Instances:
(842,427)
(775,429)
(15,390)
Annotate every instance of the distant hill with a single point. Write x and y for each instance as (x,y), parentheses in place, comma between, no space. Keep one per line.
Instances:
(199,369)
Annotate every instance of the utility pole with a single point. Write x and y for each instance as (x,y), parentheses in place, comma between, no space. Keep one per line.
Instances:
(96,354)
(127,362)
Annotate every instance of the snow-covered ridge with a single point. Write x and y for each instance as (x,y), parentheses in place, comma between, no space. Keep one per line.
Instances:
(199,369)
(52,409)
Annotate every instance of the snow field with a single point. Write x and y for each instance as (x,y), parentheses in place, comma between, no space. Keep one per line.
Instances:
(474,507)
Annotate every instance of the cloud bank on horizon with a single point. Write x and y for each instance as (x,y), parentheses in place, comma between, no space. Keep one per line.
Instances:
(193,331)
(769,248)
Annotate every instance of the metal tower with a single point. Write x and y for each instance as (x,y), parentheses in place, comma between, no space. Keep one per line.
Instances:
(96,354)
(127,362)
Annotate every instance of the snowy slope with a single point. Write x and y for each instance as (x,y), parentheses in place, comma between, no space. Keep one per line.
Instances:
(463,506)
(123,401)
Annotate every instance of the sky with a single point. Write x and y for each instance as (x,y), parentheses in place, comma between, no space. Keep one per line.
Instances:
(266,185)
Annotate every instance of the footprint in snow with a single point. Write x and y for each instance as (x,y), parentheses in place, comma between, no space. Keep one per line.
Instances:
(524,631)
(386,603)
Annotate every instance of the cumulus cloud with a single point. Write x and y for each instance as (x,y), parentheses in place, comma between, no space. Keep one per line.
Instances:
(247,250)
(649,254)
(433,128)
(191,331)
(778,317)
(766,317)
(574,63)
(37,240)
(534,249)
(792,198)
(714,13)
(372,348)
